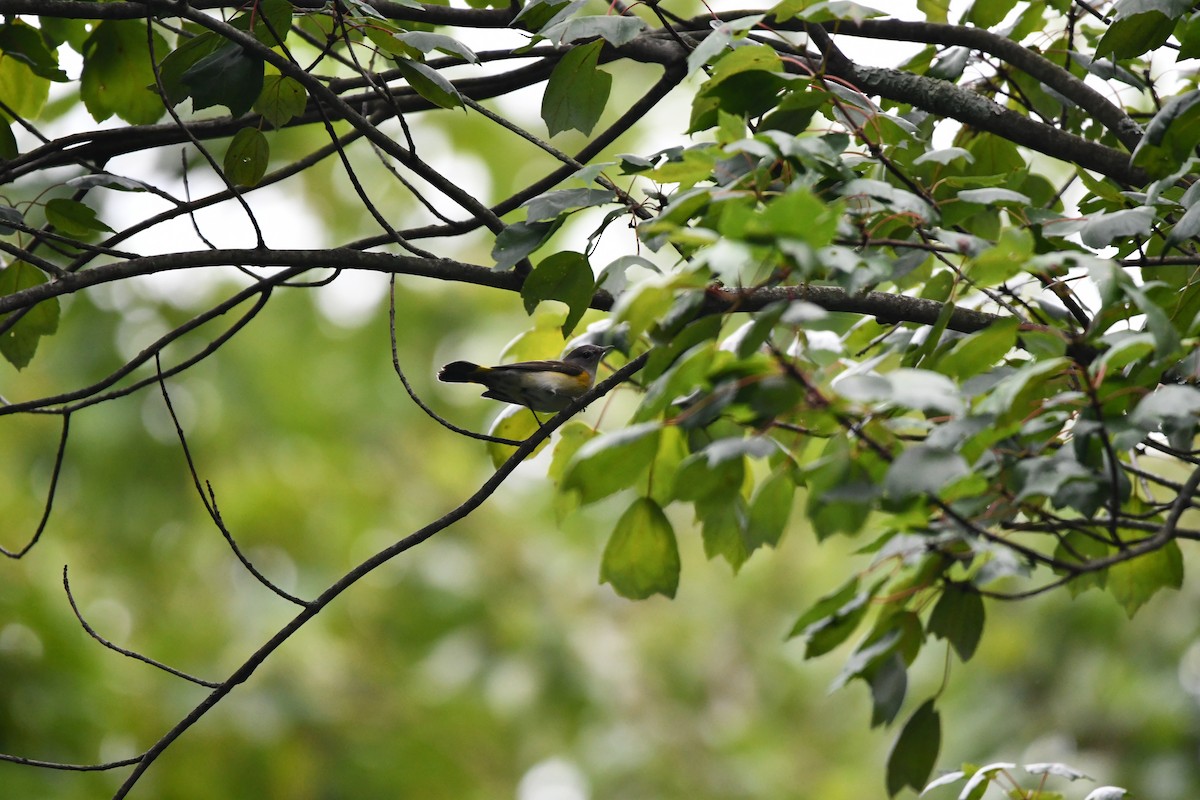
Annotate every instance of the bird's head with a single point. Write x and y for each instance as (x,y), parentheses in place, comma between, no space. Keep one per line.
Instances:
(587,356)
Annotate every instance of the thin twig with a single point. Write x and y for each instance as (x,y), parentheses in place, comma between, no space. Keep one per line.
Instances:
(412,393)
(59,452)
(210,502)
(128,653)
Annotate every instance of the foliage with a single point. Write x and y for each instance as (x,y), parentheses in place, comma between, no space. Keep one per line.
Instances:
(947,311)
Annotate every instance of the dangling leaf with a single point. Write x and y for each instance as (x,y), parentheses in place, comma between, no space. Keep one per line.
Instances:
(577,91)
(19,343)
(642,558)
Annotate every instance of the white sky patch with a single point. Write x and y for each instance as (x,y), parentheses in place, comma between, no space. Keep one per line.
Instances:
(553,779)
(351,299)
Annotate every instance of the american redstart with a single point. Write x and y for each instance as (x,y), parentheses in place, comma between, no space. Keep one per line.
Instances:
(538,385)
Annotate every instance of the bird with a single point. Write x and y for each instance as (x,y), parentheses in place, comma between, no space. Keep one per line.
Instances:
(548,386)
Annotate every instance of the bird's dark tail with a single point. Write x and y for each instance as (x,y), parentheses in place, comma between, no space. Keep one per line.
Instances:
(460,372)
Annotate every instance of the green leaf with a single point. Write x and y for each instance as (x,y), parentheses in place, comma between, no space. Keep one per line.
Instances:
(57,30)
(611,462)
(23,91)
(543,340)
(1101,229)
(1129,349)
(840,492)
(180,60)
(429,83)
(642,558)
(428,42)
(958,618)
(1140,26)
(921,389)
(615,30)
(538,14)
(1135,581)
(24,43)
(700,478)
(922,470)
(896,200)
(1005,259)
(1167,403)
(247,156)
(888,680)
(571,437)
(995,155)
(986,13)
(1011,397)
(723,521)
(980,351)
(823,10)
(1188,34)
(745,81)
(73,218)
(945,156)
(795,111)
(117,74)
(992,196)
(895,632)
(1166,338)
(715,43)
(1186,227)
(106,180)
(1170,137)
(833,618)
(19,343)
(1077,547)
(915,752)
(281,100)
(549,205)
(934,10)
(565,276)
(770,509)
(672,449)
(799,215)
(577,91)
(228,76)
(516,423)
(272,19)
(520,239)
(642,305)
(950,64)
(685,376)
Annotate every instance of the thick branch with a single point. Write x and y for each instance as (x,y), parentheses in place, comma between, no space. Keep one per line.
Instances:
(945,99)
(888,307)
(1111,116)
(339,258)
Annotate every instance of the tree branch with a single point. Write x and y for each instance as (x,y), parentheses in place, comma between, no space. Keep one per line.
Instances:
(1111,116)
(251,664)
